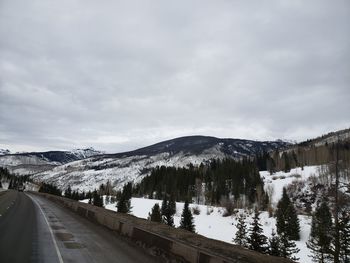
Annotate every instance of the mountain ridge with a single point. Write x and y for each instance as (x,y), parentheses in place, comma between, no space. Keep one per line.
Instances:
(120,168)
(197,143)
(33,162)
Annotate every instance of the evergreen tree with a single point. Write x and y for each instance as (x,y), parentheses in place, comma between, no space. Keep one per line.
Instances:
(68,192)
(288,247)
(293,232)
(75,195)
(168,211)
(287,218)
(124,205)
(97,199)
(155,215)
(164,205)
(172,205)
(320,236)
(344,227)
(127,191)
(241,234)
(10,185)
(257,240)
(274,245)
(218,177)
(286,162)
(50,189)
(187,219)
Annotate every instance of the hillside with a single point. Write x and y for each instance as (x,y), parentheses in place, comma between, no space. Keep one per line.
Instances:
(332,137)
(4,151)
(120,168)
(34,162)
(318,151)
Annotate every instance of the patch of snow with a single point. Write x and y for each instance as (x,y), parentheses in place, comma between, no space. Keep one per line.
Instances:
(214,225)
(281,179)
(4,151)
(88,174)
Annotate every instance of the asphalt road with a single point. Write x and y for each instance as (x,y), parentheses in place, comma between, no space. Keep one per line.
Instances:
(34,229)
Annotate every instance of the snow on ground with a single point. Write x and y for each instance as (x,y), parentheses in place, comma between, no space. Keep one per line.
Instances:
(212,224)
(89,174)
(5,185)
(281,179)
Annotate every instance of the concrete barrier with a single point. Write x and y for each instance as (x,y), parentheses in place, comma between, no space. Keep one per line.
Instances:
(180,244)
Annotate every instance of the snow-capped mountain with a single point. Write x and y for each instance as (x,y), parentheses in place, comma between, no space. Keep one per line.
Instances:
(120,168)
(34,162)
(4,151)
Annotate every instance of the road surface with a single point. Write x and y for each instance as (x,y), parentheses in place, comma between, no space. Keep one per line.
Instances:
(34,229)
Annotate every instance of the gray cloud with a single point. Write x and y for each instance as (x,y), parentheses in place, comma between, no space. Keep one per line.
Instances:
(119,75)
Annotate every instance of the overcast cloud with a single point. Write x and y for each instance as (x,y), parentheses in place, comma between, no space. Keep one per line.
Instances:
(118,75)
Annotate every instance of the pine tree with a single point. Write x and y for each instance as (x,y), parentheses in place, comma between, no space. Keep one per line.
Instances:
(10,185)
(164,205)
(293,228)
(97,199)
(287,218)
(155,215)
(241,234)
(288,248)
(286,163)
(257,240)
(168,211)
(344,227)
(123,205)
(172,206)
(68,192)
(187,219)
(274,244)
(127,190)
(321,236)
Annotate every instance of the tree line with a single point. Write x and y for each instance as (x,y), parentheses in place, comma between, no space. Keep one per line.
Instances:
(207,184)
(280,244)
(14,181)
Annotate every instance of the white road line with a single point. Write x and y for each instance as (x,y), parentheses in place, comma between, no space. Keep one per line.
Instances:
(52,235)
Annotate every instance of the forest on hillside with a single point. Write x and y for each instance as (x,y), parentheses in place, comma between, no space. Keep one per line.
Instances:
(212,183)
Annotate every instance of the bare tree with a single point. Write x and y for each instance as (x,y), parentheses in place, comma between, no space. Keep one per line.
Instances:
(270,191)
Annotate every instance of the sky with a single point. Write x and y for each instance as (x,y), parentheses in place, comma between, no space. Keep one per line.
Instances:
(119,75)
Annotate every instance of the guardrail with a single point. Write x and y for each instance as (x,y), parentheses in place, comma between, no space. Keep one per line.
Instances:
(183,245)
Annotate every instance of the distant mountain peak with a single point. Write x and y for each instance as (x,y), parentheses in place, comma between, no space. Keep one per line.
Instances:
(83,153)
(4,151)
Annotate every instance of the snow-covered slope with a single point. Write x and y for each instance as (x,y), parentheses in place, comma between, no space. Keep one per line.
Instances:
(120,168)
(332,137)
(85,153)
(211,223)
(281,179)
(4,151)
(89,173)
(34,162)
